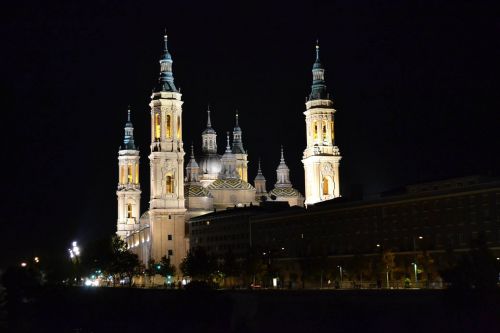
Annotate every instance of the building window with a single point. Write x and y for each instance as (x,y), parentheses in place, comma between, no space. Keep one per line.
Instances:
(129,174)
(331,131)
(157,126)
(170,252)
(137,173)
(179,130)
(324,130)
(315,130)
(129,211)
(169,184)
(169,237)
(325,186)
(169,127)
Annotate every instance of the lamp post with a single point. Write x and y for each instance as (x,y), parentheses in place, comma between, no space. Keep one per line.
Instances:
(74,254)
(415,262)
(340,270)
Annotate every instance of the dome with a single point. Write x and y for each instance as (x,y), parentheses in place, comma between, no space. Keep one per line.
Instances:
(285,192)
(196,191)
(210,163)
(231,184)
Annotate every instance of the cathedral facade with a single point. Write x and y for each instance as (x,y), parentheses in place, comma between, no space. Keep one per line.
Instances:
(211,181)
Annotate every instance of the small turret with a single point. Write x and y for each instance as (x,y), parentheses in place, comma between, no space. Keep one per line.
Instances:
(192,169)
(260,184)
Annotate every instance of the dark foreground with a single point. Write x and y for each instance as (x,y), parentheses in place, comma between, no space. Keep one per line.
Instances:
(135,310)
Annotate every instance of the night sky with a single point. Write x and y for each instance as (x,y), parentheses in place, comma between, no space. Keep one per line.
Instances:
(415,87)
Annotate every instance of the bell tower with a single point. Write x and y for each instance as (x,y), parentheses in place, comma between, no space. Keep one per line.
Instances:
(167,209)
(321,157)
(129,188)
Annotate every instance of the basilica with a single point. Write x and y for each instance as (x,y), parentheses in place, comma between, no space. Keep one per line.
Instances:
(212,182)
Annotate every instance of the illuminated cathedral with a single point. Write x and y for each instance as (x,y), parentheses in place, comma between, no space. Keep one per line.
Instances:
(211,181)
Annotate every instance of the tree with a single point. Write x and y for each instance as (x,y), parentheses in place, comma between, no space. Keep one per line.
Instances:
(165,267)
(198,264)
(254,267)
(123,263)
(477,269)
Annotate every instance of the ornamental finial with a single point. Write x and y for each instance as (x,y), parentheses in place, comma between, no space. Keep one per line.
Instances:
(209,122)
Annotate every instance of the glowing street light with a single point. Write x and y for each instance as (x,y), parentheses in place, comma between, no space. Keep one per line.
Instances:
(36,259)
(23,264)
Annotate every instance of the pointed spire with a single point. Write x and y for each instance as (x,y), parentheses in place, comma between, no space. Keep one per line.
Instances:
(318,88)
(209,123)
(128,140)
(259,171)
(317,49)
(283,173)
(237,137)
(192,151)
(228,146)
(166,81)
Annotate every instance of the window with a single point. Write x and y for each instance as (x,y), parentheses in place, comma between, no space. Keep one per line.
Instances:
(315,130)
(129,211)
(157,126)
(129,174)
(170,252)
(325,186)
(169,237)
(137,173)
(324,130)
(331,131)
(169,184)
(169,127)
(179,130)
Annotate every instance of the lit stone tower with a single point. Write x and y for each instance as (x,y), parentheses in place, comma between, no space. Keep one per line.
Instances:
(167,209)
(129,188)
(239,152)
(321,156)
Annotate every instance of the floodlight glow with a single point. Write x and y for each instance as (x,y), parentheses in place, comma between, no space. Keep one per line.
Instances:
(23,264)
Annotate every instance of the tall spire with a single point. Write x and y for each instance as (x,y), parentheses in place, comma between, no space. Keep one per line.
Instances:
(318,89)
(209,123)
(283,173)
(166,81)
(192,168)
(237,137)
(228,145)
(128,140)
(259,176)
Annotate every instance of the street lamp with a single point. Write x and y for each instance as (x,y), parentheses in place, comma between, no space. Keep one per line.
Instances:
(415,263)
(340,270)
(74,254)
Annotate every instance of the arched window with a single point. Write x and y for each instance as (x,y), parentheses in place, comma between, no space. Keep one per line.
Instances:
(122,174)
(332,132)
(129,174)
(129,211)
(315,130)
(324,130)
(325,186)
(157,126)
(137,173)
(169,184)
(179,129)
(169,127)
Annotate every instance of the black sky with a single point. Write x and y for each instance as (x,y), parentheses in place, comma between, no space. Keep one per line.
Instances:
(415,85)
